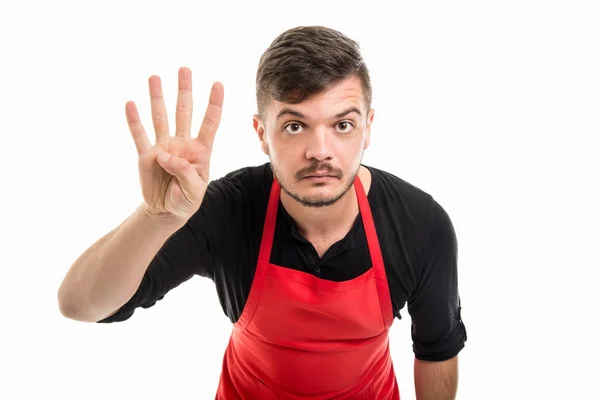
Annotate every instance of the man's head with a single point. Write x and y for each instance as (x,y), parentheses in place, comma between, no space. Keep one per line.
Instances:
(314,112)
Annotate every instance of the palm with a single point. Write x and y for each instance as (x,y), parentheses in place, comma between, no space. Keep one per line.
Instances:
(175,187)
(162,190)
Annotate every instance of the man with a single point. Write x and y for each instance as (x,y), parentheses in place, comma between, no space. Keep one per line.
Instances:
(313,254)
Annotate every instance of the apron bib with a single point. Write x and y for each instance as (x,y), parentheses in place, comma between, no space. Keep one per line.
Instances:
(302,337)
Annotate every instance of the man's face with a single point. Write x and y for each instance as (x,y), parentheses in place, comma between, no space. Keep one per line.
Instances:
(316,147)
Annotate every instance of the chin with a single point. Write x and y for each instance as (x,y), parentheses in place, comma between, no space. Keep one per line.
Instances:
(318,194)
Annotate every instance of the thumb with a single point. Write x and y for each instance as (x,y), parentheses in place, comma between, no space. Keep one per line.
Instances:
(181,169)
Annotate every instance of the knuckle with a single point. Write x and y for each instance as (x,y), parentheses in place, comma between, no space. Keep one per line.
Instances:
(183,108)
(133,121)
(211,121)
(158,118)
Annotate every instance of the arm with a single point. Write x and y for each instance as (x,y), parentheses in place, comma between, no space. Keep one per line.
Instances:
(436,380)
(107,275)
(109,272)
(438,331)
(138,263)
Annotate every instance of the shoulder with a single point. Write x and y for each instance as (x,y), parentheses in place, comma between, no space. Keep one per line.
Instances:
(250,174)
(231,203)
(389,187)
(411,208)
(392,194)
(234,199)
(240,185)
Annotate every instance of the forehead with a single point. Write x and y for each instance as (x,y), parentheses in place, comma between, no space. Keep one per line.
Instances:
(345,94)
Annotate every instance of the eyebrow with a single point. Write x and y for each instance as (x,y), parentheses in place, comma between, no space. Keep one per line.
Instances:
(297,114)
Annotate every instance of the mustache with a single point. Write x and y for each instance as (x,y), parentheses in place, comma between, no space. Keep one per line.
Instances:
(318,167)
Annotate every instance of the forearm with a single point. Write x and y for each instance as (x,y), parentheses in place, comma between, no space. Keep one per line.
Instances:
(436,380)
(109,272)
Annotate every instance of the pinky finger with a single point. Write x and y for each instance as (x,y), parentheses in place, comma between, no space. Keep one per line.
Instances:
(140,138)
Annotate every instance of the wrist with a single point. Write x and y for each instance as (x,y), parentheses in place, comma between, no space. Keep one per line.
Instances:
(159,222)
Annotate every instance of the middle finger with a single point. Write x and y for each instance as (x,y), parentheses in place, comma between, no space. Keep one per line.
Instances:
(183,114)
(159,112)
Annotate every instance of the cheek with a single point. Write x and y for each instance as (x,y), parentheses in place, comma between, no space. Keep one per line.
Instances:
(352,153)
(283,152)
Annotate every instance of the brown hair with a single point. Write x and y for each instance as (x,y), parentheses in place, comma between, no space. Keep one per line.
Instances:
(306,60)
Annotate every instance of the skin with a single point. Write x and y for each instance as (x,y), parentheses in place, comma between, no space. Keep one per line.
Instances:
(326,133)
(436,380)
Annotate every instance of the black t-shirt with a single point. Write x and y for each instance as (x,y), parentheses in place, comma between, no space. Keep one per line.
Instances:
(222,240)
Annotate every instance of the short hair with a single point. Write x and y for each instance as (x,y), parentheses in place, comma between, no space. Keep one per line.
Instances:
(306,60)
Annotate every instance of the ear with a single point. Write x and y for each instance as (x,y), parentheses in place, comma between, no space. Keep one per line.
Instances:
(259,127)
(370,117)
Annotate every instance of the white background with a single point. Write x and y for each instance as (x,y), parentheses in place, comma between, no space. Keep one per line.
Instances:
(491,107)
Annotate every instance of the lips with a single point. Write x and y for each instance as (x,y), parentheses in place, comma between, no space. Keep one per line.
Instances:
(318,172)
(319,176)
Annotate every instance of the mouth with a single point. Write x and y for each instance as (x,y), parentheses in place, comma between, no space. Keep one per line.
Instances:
(319,177)
(318,174)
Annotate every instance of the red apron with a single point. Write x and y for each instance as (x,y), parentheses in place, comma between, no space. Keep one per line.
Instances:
(302,337)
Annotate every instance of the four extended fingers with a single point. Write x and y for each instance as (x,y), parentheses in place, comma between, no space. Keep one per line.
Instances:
(183,118)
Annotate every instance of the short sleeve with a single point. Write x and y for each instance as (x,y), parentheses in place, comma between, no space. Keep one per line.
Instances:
(437,330)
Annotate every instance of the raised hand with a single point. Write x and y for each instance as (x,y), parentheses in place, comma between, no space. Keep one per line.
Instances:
(174,172)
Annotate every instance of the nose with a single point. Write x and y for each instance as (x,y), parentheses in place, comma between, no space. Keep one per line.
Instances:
(318,146)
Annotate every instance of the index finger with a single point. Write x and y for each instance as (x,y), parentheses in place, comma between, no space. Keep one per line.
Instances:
(212,116)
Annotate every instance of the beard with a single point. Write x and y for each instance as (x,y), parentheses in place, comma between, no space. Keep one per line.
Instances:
(321,200)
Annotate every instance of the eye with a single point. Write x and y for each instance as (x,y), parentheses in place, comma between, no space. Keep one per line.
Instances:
(293,128)
(345,126)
